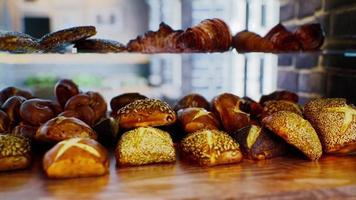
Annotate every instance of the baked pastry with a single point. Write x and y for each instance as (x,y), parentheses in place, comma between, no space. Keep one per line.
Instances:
(192,100)
(210,35)
(195,119)
(282,39)
(13,91)
(311,36)
(273,106)
(15,42)
(38,111)
(99,46)
(246,41)
(76,157)
(62,128)
(64,90)
(145,112)
(296,131)
(227,107)
(210,147)
(251,107)
(12,108)
(107,130)
(335,122)
(145,145)
(63,37)
(280,95)
(25,130)
(122,100)
(259,143)
(15,152)
(5,122)
(89,106)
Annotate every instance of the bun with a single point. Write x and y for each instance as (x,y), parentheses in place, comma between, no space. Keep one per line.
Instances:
(145,145)
(15,152)
(5,122)
(76,157)
(210,147)
(13,91)
(280,95)
(64,90)
(195,119)
(192,100)
(12,108)
(246,41)
(282,39)
(122,100)
(273,106)
(99,46)
(311,36)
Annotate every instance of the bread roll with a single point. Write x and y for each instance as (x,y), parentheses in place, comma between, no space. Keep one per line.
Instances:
(195,119)
(15,152)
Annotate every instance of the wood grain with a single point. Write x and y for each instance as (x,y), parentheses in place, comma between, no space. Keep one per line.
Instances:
(279,178)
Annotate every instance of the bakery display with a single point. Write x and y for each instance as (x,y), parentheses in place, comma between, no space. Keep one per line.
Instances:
(273,106)
(210,148)
(145,112)
(57,39)
(122,100)
(145,145)
(228,108)
(15,42)
(335,122)
(62,128)
(280,95)
(195,119)
(99,46)
(258,143)
(192,100)
(64,90)
(307,37)
(15,152)
(296,131)
(38,111)
(76,157)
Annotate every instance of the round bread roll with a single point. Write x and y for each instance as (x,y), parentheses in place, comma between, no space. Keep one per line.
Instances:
(192,100)
(280,95)
(195,119)
(273,106)
(122,100)
(15,152)
(76,157)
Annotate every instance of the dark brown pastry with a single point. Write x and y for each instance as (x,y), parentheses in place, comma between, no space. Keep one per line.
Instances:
(192,100)
(84,113)
(62,128)
(76,157)
(12,108)
(246,41)
(145,145)
(15,152)
(273,106)
(13,91)
(228,108)
(195,119)
(311,36)
(59,38)
(296,131)
(335,122)
(92,102)
(251,107)
(259,143)
(64,90)
(282,39)
(38,111)
(25,130)
(5,122)
(280,95)
(210,147)
(99,46)
(145,112)
(107,130)
(122,100)
(15,42)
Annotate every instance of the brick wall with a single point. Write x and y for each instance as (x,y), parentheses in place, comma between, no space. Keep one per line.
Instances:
(315,75)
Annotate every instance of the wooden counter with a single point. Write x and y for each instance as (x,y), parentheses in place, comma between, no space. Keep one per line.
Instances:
(285,178)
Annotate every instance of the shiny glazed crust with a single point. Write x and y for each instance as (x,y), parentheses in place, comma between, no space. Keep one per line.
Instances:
(195,119)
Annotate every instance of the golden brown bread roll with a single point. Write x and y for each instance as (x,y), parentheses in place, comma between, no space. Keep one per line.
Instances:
(15,152)
(13,91)
(227,107)
(246,41)
(64,90)
(273,106)
(195,119)
(210,147)
(280,95)
(192,100)
(145,112)
(76,157)
(62,128)
(122,100)
(335,122)
(145,145)
(12,108)
(259,143)
(5,122)
(296,131)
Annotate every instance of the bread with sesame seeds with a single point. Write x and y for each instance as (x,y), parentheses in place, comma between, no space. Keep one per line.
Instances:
(210,148)
(15,152)
(273,106)
(195,119)
(335,122)
(145,112)
(62,128)
(296,131)
(144,145)
(76,157)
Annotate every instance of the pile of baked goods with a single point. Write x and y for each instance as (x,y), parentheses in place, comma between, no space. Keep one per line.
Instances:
(210,35)
(76,130)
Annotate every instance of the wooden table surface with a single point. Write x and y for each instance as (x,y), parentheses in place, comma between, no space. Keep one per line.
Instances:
(279,178)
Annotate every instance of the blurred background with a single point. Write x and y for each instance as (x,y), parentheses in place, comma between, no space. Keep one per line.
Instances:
(163,76)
